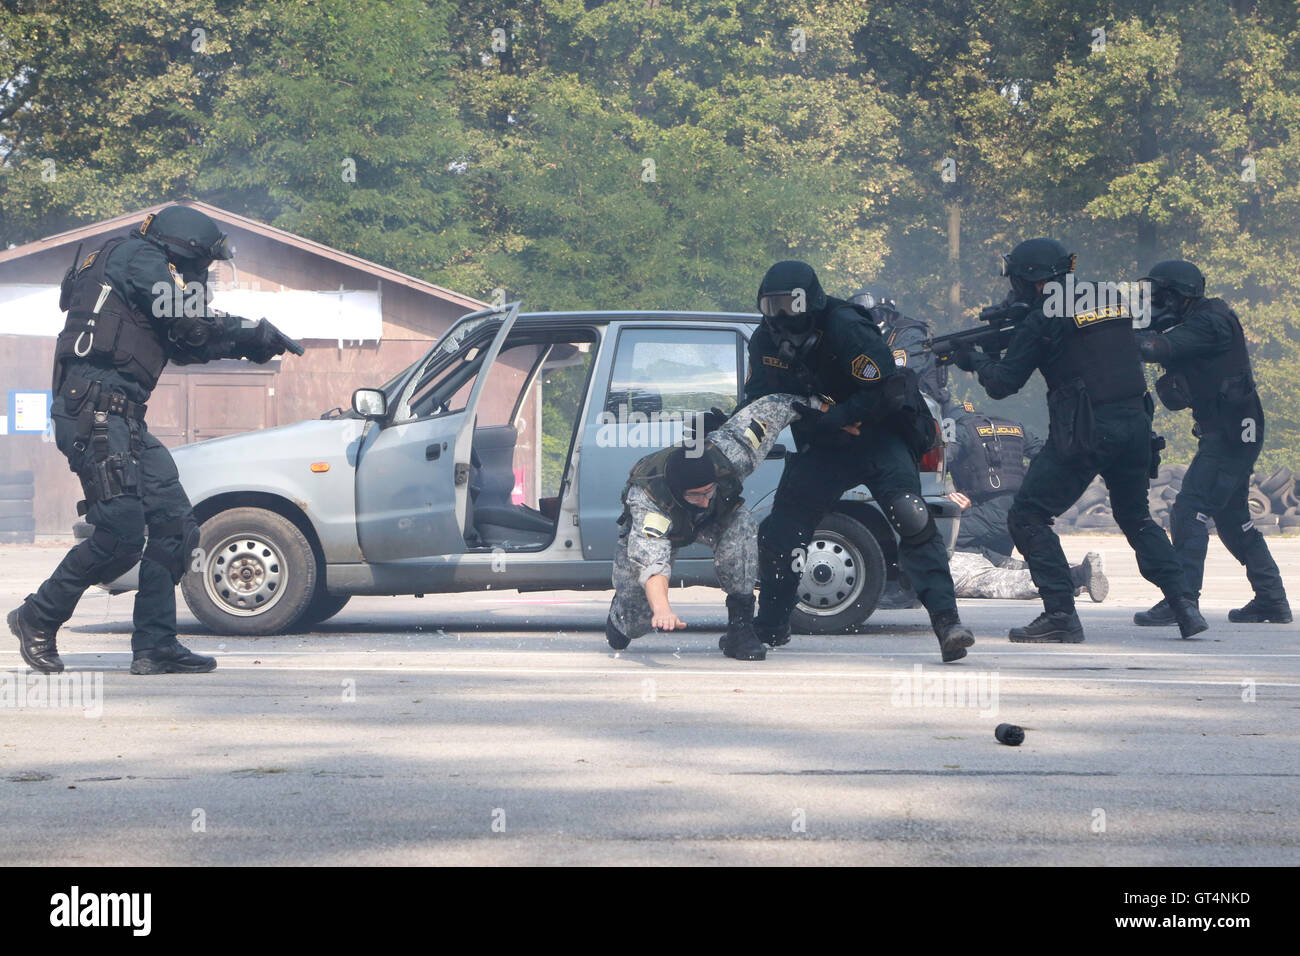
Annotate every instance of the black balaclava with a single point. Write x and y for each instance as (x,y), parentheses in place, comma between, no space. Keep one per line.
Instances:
(685,471)
(794,332)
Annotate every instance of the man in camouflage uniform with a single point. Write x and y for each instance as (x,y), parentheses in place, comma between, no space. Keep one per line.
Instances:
(672,500)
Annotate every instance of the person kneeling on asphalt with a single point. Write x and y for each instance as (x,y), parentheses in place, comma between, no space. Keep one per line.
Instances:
(675,498)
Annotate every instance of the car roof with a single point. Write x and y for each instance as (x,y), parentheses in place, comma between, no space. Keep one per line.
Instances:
(638,314)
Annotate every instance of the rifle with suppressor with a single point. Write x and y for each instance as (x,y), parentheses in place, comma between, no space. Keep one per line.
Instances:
(1001,320)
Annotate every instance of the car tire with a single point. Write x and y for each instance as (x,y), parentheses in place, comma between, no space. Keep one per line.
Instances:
(321,608)
(844,576)
(257,575)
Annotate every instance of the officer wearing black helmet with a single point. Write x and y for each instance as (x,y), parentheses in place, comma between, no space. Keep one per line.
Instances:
(905,337)
(1202,347)
(1099,423)
(132,306)
(875,431)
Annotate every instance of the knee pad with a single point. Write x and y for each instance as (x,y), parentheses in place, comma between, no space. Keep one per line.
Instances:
(171,543)
(910,517)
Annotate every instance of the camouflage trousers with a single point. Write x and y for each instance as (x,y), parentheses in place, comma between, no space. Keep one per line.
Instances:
(735,558)
(974,576)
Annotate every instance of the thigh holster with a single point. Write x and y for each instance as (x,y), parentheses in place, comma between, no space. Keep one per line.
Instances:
(105,474)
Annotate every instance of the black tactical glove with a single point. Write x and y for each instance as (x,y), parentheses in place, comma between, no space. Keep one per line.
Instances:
(262,342)
(964,358)
(822,423)
(1152,347)
(709,421)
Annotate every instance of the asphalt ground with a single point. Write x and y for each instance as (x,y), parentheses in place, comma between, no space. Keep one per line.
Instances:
(499,728)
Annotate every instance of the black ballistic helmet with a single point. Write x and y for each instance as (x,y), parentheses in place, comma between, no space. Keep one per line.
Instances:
(1038,259)
(1177,275)
(1035,261)
(185,233)
(870,299)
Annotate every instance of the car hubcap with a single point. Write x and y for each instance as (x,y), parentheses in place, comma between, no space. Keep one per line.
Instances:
(832,577)
(245,575)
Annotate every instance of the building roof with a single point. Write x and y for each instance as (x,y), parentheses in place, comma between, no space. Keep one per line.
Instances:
(126,220)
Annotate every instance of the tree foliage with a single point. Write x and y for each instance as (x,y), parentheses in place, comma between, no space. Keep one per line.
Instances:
(662,153)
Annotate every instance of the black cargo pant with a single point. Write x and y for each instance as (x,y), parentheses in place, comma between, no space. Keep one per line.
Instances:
(1216,486)
(811,483)
(1121,455)
(151,496)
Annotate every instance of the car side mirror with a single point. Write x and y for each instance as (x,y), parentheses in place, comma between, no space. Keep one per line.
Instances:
(370,403)
(776,454)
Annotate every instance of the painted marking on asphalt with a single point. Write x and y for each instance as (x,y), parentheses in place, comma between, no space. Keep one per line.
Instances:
(698,672)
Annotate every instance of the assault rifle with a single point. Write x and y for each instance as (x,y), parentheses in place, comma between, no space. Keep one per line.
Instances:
(1001,320)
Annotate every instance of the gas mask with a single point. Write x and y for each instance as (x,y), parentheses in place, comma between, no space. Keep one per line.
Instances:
(795,332)
(1166,308)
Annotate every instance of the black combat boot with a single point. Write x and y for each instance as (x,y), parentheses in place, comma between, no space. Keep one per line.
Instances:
(617,639)
(1051,626)
(1090,576)
(173,658)
(741,641)
(1188,616)
(954,636)
(1160,615)
(776,636)
(1260,612)
(37,647)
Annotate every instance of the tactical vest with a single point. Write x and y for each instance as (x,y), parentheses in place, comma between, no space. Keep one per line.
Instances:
(992,459)
(649,474)
(104,328)
(1100,348)
(1221,385)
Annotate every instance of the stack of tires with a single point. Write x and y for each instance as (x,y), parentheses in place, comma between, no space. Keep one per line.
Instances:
(17,519)
(1274,503)
(1274,506)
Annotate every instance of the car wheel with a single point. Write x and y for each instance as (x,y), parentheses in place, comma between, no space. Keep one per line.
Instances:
(843,577)
(257,573)
(322,607)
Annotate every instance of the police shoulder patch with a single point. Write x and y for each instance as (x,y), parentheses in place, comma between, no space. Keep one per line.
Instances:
(656,525)
(968,406)
(865,369)
(1106,314)
(773,361)
(176,275)
(900,357)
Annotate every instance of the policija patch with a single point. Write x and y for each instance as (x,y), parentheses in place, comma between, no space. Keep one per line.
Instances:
(864,368)
(900,357)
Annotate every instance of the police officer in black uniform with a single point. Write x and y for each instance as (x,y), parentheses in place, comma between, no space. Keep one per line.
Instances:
(874,433)
(905,337)
(987,465)
(133,305)
(1100,423)
(1201,345)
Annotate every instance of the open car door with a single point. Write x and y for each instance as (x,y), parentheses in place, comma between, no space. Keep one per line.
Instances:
(413,467)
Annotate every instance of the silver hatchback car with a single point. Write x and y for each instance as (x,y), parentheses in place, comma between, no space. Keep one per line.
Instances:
(498,461)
